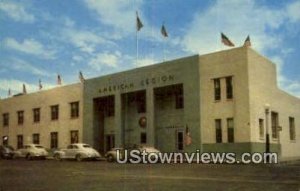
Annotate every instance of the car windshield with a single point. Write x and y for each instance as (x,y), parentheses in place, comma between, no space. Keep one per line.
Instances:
(86,146)
(39,147)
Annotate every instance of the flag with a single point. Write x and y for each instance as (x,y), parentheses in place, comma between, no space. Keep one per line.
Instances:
(81,77)
(24,89)
(40,84)
(247,41)
(9,92)
(58,80)
(226,40)
(164,31)
(139,23)
(188,138)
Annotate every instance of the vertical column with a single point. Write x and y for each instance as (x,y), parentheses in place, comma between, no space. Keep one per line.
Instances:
(118,121)
(150,117)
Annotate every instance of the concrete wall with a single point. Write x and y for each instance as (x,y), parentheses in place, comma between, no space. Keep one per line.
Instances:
(61,96)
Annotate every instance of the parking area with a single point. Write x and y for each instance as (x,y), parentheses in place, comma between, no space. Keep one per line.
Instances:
(44,175)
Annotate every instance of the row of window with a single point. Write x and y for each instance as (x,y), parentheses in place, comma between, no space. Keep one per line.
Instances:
(230,130)
(74,138)
(217,88)
(275,125)
(54,114)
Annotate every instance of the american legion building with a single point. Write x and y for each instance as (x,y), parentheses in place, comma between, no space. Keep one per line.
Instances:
(226,101)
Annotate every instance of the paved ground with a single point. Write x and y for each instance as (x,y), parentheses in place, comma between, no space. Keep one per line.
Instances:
(52,175)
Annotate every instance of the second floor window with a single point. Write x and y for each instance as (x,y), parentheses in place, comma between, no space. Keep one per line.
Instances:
(229,89)
(5,119)
(74,109)
(36,115)
(217,89)
(20,117)
(54,112)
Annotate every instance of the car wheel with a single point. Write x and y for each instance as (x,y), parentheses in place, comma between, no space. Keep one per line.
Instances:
(110,158)
(78,158)
(57,157)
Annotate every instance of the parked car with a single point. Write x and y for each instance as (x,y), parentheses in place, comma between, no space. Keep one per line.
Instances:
(77,151)
(31,151)
(6,152)
(111,155)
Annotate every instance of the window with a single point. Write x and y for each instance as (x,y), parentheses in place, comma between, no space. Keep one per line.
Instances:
(36,115)
(5,119)
(36,138)
(54,112)
(229,90)
(19,141)
(74,137)
(74,109)
(179,103)
(261,129)
(20,117)
(274,124)
(179,140)
(230,130)
(143,138)
(218,125)
(54,140)
(292,128)
(140,98)
(217,87)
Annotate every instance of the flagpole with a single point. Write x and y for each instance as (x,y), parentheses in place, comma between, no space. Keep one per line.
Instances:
(137,46)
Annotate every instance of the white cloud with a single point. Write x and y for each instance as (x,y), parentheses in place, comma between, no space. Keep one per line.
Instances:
(293,11)
(145,62)
(30,46)
(105,59)
(16,11)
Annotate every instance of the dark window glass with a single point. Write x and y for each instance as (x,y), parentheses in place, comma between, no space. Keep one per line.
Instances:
(36,138)
(230,129)
(179,101)
(143,138)
(5,119)
(140,98)
(54,112)
(74,109)
(217,88)
(74,137)
(36,115)
(274,124)
(229,89)
(54,140)
(218,126)
(261,129)
(20,117)
(180,140)
(292,128)
(19,141)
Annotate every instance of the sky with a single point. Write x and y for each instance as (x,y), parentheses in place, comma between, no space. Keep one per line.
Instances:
(40,39)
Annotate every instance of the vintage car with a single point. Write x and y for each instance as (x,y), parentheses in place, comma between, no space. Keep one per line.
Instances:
(77,151)
(31,151)
(6,152)
(111,155)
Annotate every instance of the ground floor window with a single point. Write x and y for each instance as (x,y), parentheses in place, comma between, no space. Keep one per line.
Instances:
(74,137)
(230,130)
(19,141)
(54,140)
(292,128)
(179,140)
(36,138)
(143,138)
(261,128)
(218,126)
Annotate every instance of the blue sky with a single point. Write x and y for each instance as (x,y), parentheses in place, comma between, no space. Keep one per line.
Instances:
(40,38)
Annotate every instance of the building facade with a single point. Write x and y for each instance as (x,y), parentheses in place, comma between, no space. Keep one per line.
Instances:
(220,102)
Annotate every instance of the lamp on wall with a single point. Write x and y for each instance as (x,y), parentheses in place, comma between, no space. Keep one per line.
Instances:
(267,111)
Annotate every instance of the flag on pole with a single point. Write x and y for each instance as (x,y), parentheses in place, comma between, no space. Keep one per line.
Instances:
(188,138)
(247,41)
(226,40)
(81,77)
(58,80)
(139,23)
(40,84)
(9,92)
(24,89)
(164,31)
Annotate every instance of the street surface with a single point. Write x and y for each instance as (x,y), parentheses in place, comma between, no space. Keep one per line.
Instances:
(50,175)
